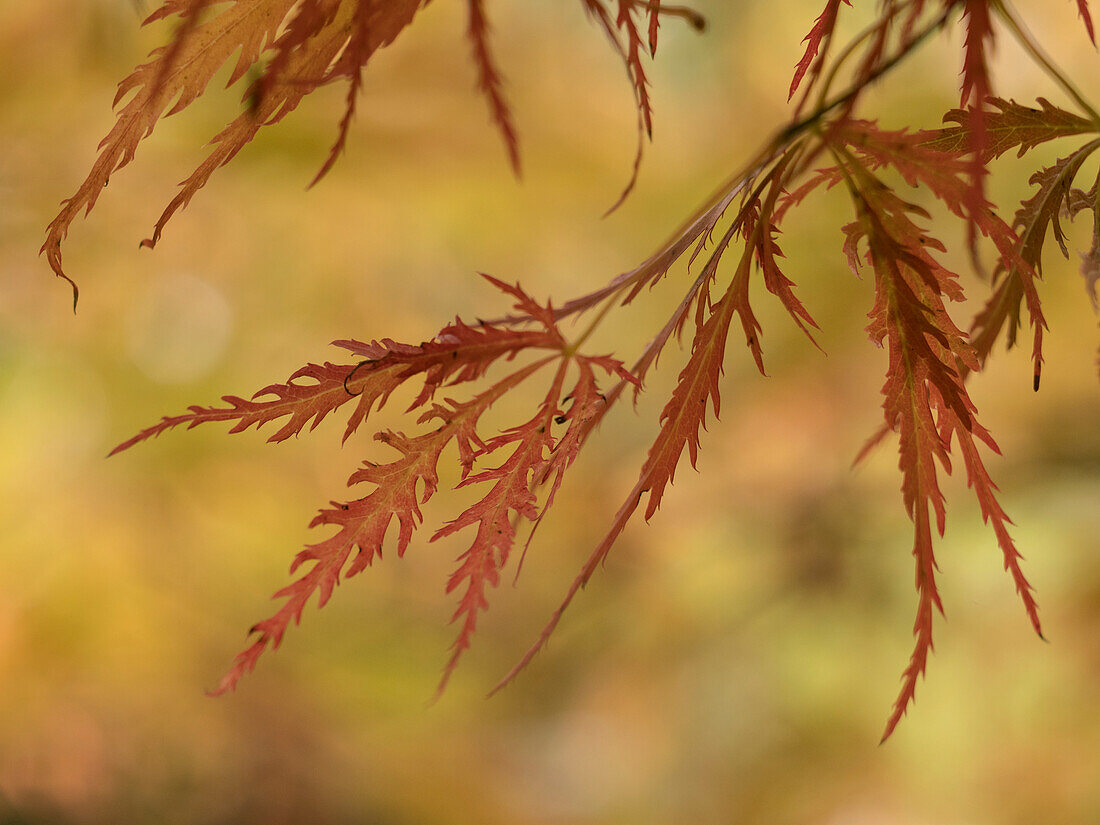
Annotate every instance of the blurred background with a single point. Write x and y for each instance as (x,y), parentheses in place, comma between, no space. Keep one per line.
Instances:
(735,661)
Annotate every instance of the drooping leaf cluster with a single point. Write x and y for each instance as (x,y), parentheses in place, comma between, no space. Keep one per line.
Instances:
(732,240)
(290,48)
(529,453)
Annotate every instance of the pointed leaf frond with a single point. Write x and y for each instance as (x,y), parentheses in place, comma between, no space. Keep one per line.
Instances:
(817,39)
(328,387)
(768,253)
(460,353)
(1009,125)
(925,398)
(350,64)
(490,82)
(1086,18)
(631,55)
(905,314)
(976,89)
(1042,211)
(362,524)
(513,490)
(975,72)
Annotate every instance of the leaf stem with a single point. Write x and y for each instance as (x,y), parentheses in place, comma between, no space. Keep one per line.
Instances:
(571,349)
(686,13)
(781,142)
(824,108)
(844,54)
(1032,47)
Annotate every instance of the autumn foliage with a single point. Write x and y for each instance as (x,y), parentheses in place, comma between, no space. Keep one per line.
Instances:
(290,48)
